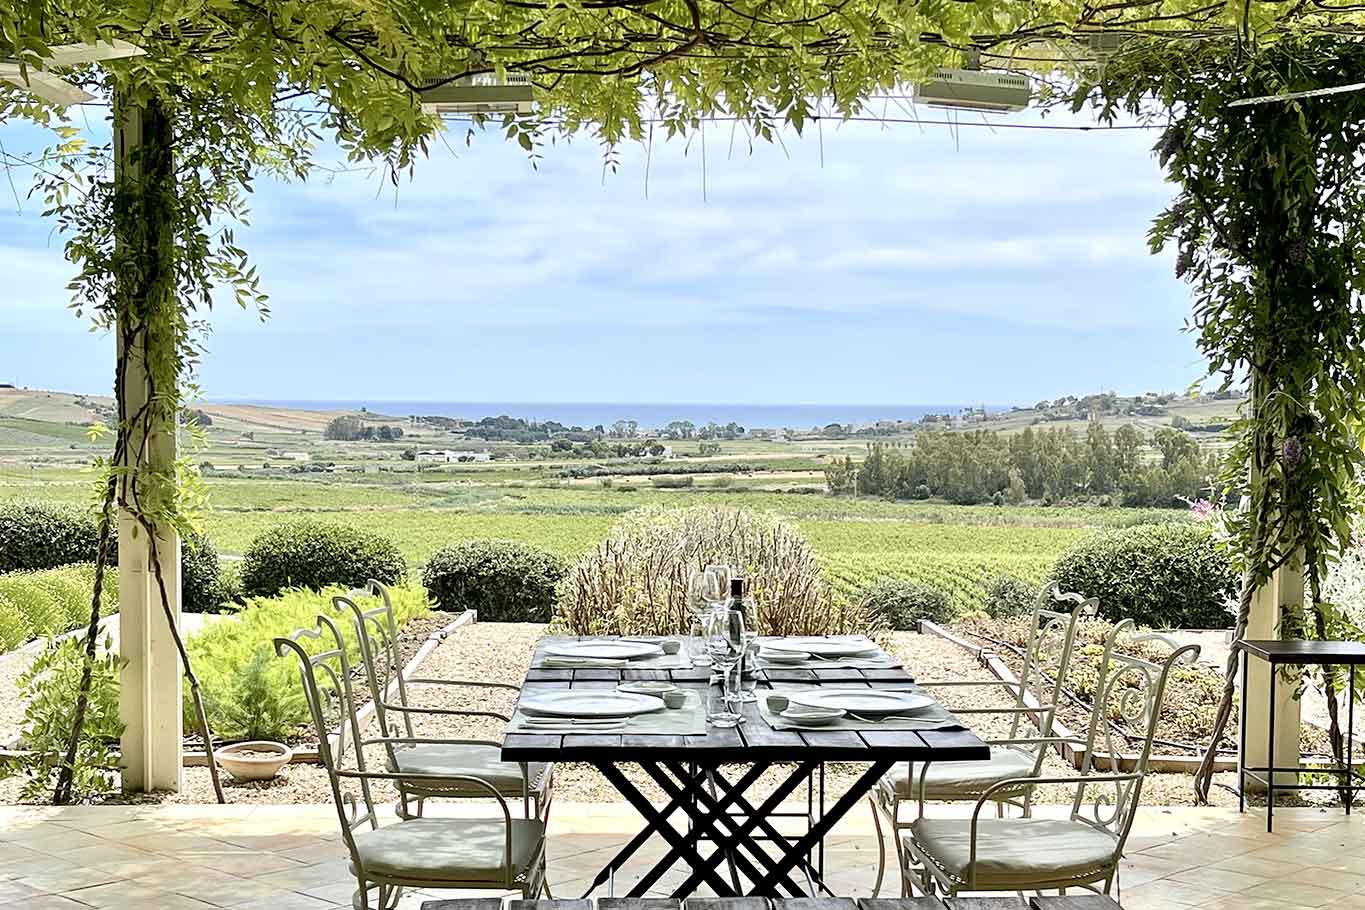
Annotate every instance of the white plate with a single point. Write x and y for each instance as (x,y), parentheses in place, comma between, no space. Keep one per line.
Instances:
(822,647)
(589,703)
(604,650)
(782,657)
(656,687)
(854,701)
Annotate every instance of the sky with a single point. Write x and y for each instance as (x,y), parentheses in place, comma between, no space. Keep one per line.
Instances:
(861,263)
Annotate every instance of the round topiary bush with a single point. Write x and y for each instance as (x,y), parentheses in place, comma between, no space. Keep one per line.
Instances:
(1010,597)
(635,582)
(315,554)
(902,603)
(1168,576)
(41,536)
(200,591)
(504,580)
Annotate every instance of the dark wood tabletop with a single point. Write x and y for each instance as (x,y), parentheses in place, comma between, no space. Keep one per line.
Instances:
(1297,651)
(752,741)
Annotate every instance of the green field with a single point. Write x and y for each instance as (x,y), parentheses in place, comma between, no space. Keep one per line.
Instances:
(957,548)
(266,465)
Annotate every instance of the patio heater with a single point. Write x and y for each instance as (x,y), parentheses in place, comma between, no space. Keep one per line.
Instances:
(484,93)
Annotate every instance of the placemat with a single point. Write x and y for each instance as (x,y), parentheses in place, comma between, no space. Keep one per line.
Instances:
(936,717)
(689,720)
(878,661)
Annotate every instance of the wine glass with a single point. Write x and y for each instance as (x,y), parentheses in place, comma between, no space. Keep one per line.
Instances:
(726,645)
(718,587)
(698,606)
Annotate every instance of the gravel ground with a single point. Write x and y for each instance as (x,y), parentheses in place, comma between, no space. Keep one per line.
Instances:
(501,652)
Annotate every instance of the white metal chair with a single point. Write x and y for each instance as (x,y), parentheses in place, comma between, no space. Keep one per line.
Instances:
(1036,695)
(1084,849)
(499,853)
(440,770)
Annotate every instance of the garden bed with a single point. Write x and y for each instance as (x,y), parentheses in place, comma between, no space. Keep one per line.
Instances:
(501,652)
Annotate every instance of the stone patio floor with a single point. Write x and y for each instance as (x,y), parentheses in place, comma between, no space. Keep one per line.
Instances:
(179,857)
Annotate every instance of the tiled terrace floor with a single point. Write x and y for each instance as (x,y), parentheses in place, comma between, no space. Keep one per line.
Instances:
(289,858)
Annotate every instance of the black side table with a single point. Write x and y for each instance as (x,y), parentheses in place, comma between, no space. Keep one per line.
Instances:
(1294,652)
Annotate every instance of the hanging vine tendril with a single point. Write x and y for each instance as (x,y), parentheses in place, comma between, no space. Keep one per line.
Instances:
(1268,229)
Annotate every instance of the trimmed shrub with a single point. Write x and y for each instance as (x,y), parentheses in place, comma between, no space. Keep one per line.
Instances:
(1009,597)
(1168,576)
(635,582)
(40,536)
(200,590)
(902,603)
(248,691)
(315,554)
(504,580)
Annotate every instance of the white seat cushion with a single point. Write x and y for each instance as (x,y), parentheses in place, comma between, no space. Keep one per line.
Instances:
(469,760)
(1014,853)
(949,780)
(448,850)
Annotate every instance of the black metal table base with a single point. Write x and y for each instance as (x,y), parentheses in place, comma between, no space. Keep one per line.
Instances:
(739,832)
(1349,777)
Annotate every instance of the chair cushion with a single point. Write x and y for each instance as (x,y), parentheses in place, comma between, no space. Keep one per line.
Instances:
(448,849)
(948,780)
(1014,853)
(471,760)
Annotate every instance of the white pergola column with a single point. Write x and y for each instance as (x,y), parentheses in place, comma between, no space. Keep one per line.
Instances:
(1284,589)
(149,684)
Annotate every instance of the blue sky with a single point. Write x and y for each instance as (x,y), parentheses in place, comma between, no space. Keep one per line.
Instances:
(910,265)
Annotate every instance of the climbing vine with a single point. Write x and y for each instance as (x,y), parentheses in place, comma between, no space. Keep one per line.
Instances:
(1267,229)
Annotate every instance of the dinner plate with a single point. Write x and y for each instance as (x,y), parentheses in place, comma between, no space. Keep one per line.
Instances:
(589,703)
(821,647)
(872,701)
(782,657)
(604,650)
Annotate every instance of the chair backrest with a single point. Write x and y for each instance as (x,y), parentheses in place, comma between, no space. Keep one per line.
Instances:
(1129,694)
(376,631)
(325,673)
(1047,657)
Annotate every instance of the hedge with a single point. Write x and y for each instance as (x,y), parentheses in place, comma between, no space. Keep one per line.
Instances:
(315,554)
(50,602)
(37,536)
(503,580)
(1169,576)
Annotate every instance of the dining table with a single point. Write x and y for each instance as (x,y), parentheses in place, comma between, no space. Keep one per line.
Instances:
(709,775)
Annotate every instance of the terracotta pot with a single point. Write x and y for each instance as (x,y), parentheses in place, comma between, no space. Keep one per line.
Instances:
(255,760)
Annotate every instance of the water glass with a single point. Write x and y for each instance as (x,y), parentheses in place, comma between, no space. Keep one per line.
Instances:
(722,701)
(697,635)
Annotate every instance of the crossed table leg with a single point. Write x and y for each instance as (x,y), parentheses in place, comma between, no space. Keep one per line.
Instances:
(737,835)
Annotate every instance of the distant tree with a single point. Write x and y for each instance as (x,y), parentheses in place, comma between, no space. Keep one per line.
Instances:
(561,445)
(409,454)
(200,419)
(680,429)
(345,428)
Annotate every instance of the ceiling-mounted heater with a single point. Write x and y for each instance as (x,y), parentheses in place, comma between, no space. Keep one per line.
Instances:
(485,93)
(975,90)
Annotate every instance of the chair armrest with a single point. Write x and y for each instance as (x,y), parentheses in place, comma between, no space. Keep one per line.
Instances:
(1016,782)
(473,683)
(427,741)
(477,781)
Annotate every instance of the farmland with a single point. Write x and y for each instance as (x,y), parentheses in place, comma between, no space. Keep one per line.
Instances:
(263,466)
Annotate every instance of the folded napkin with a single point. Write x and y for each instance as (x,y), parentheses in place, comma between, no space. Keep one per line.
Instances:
(569,662)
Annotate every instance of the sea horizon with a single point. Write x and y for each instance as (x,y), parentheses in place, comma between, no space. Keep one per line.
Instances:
(650,415)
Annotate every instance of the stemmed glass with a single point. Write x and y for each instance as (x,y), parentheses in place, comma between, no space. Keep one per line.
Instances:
(726,643)
(706,591)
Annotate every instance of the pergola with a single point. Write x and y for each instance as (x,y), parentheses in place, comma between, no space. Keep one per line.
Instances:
(241,87)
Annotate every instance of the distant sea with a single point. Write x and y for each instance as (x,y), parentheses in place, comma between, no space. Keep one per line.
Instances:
(652,416)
